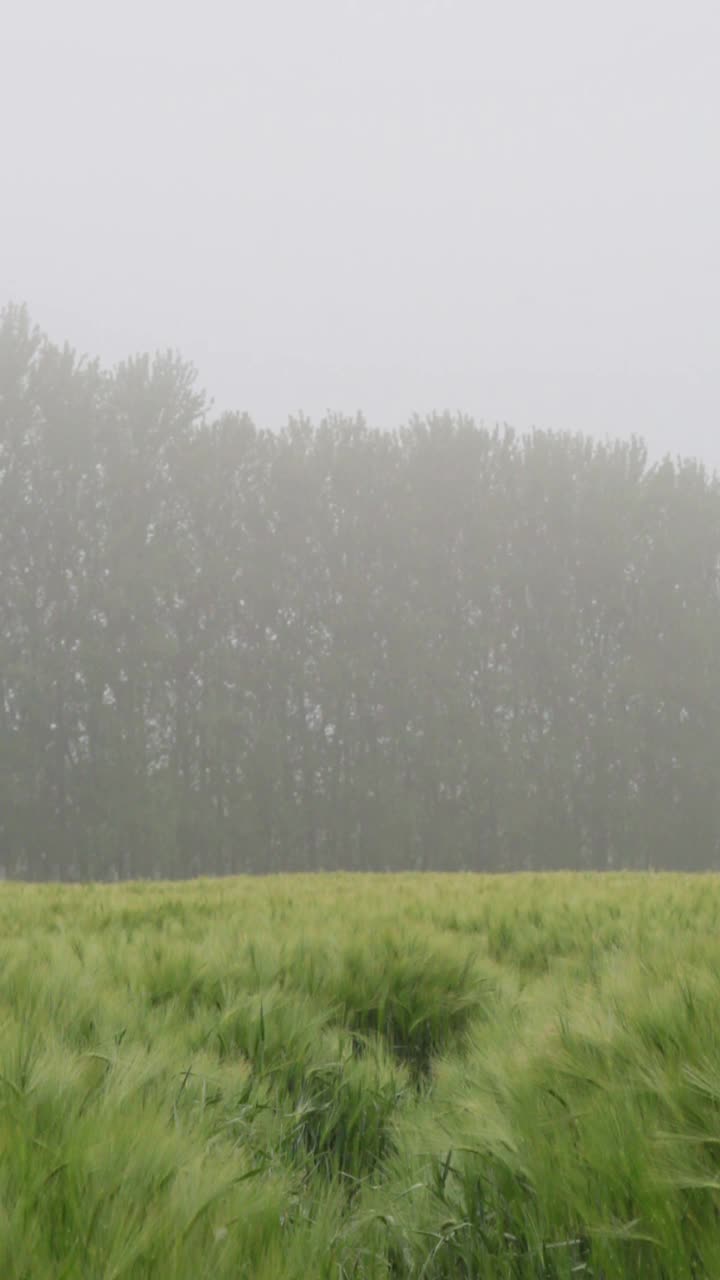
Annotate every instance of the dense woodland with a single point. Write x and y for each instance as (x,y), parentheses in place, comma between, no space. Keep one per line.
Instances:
(226,649)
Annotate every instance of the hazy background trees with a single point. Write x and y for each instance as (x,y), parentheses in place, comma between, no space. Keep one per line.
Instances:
(223,649)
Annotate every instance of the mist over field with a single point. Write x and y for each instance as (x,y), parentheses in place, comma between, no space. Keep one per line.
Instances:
(226,649)
(359,640)
(316,606)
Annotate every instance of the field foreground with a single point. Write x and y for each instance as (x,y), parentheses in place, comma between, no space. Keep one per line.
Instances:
(361,1076)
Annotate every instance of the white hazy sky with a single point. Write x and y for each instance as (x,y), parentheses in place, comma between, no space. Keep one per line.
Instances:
(509,207)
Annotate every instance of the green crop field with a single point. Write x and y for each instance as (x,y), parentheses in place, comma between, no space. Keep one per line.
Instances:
(366,1076)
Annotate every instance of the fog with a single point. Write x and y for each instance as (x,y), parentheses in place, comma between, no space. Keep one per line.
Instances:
(388,205)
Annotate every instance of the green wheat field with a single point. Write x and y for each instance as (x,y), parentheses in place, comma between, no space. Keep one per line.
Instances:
(361,1076)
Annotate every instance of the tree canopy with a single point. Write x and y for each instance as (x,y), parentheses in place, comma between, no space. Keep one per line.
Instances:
(225,649)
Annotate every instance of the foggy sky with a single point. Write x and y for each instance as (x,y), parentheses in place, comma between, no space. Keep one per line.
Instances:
(509,208)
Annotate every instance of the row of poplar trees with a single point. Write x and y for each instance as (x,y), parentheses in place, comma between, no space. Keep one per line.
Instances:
(225,649)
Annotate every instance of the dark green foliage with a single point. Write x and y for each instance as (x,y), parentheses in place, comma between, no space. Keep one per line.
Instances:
(342,1115)
(418,999)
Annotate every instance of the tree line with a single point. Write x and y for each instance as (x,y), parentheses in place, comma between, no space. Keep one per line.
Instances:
(224,649)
